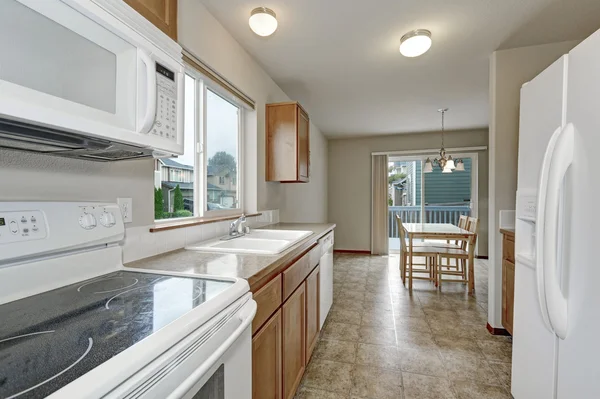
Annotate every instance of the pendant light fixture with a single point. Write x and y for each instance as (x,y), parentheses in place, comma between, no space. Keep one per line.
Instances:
(263,21)
(446,163)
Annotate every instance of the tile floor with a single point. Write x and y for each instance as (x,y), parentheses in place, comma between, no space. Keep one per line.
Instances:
(381,342)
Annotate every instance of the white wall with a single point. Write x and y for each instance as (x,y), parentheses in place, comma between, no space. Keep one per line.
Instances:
(509,70)
(27,176)
(307,202)
(349,183)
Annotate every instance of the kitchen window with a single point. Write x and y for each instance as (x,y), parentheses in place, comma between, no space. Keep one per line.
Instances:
(205,180)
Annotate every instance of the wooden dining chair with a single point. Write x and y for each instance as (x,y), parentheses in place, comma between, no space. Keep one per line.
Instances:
(429,253)
(457,244)
(461,255)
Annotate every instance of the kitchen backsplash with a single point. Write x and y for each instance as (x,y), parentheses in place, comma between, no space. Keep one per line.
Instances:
(140,243)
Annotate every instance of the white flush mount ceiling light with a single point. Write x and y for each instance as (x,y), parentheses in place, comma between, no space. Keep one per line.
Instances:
(263,21)
(415,43)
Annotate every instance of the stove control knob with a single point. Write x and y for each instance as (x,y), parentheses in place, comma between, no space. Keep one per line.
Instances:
(107,219)
(87,221)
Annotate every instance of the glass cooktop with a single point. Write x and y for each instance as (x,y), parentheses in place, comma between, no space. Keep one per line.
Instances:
(51,339)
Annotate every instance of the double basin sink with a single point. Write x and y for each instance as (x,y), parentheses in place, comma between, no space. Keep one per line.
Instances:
(260,241)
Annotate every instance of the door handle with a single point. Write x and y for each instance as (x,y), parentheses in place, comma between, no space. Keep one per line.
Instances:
(150,109)
(561,159)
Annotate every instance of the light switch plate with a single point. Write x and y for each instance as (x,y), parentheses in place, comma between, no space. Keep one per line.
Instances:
(126,206)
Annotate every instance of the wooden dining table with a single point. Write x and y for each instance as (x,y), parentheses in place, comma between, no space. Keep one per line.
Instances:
(440,231)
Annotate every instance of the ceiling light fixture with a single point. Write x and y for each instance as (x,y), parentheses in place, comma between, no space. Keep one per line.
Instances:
(446,164)
(263,21)
(415,43)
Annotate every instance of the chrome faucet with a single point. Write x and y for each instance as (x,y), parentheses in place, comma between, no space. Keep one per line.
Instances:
(236,228)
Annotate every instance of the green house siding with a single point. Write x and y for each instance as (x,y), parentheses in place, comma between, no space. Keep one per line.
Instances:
(455,188)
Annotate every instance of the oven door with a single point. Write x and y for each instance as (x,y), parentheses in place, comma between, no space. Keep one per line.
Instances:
(215,362)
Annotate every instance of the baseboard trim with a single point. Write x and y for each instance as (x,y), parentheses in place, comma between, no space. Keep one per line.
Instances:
(352,251)
(497,331)
(482,257)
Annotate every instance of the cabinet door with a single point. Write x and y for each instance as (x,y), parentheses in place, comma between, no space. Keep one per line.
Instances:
(294,343)
(303,145)
(312,311)
(508,294)
(162,13)
(267,360)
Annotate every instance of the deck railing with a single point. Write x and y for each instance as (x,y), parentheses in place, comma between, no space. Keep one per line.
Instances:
(433,214)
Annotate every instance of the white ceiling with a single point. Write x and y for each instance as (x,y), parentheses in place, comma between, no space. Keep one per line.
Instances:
(341,60)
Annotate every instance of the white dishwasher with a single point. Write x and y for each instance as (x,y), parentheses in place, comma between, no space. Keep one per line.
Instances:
(326,284)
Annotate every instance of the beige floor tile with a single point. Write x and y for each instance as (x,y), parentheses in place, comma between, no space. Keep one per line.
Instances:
(349,294)
(426,362)
(338,351)
(311,393)
(344,316)
(496,350)
(416,324)
(418,386)
(376,383)
(377,335)
(458,347)
(328,376)
(474,390)
(358,287)
(341,332)
(378,356)
(470,368)
(378,319)
(415,340)
(347,304)
(503,371)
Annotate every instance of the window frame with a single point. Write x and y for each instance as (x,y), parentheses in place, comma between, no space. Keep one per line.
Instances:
(200,173)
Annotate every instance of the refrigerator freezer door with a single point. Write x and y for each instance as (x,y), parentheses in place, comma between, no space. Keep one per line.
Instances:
(578,365)
(534,345)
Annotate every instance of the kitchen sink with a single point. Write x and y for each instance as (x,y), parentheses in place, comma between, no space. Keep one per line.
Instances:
(266,242)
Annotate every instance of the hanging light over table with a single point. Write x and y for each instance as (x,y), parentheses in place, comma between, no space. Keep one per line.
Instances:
(446,163)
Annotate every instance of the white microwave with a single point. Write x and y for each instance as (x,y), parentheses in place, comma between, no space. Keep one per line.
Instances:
(88,77)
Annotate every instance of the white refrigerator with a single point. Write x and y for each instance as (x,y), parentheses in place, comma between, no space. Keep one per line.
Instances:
(556,341)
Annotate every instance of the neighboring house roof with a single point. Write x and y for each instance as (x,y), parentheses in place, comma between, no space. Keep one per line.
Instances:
(174,164)
(213,187)
(400,184)
(173,184)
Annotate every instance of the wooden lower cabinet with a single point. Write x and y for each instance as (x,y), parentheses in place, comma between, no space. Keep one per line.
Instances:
(267,360)
(508,279)
(312,311)
(508,294)
(294,341)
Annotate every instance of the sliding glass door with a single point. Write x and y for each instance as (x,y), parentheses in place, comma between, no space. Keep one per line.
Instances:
(434,197)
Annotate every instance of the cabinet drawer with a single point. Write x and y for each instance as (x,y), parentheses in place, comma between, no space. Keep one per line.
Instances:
(508,249)
(295,275)
(314,256)
(268,299)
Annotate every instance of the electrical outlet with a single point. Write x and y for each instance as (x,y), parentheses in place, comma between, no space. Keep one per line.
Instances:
(126,206)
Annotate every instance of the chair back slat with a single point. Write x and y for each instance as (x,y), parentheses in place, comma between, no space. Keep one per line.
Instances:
(473,227)
(401,233)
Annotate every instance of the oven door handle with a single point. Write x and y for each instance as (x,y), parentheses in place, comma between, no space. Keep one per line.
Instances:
(246,316)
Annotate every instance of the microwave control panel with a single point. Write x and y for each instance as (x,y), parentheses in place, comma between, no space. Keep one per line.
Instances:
(165,123)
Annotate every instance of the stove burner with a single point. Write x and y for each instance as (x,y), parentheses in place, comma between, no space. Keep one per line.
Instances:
(134,289)
(45,349)
(110,284)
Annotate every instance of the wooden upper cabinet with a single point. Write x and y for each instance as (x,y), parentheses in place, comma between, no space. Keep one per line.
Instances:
(288,143)
(162,13)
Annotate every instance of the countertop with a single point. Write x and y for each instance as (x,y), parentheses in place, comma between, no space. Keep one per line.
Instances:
(510,232)
(257,269)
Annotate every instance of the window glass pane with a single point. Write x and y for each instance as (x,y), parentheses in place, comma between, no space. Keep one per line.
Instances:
(222,125)
(448,195)
(404,196)
(174,177)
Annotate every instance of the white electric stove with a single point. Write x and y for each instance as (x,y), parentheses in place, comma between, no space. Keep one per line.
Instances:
(76,324)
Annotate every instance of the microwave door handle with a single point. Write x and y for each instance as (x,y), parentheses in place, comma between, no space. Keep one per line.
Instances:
(150,110)
(561,161)
(540,227)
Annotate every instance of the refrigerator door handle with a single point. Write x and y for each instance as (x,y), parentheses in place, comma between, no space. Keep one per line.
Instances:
(561,161)
(540,228)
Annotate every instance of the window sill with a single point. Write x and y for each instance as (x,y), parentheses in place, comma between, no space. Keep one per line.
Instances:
(179,224)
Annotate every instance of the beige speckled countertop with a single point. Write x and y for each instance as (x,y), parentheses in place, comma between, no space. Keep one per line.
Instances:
(257,269)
